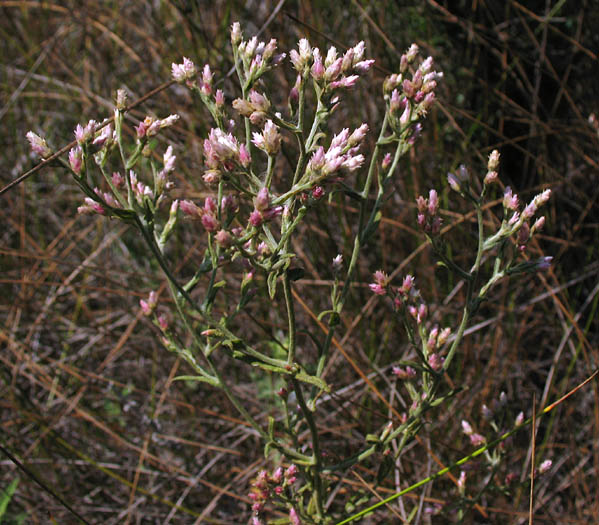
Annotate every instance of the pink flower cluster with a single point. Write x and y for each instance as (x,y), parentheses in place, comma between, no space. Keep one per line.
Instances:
(207,214)
(150,126)
(263,211)
(186,71)
(256,107)
(222,152)
(84,133)
(148,306)
(93,206)
(140,190)
(435,342)
(476,439)
(380,284)
(266,485)
(256,57)
(519,221)
(333,71)
(342,154)
(460,180)
(410,98)
(428,210)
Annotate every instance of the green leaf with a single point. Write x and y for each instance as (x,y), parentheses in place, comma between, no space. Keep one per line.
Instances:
(272,284)
(300,375)
(200,379)
(325,312)
(7,495)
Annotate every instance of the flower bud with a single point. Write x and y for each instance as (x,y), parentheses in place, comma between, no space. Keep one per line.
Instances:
(148,306)
(76,159)
(121,99)
(466,428)
(223,238)
(545,466)
(235,34)
(462,481)
(262,199)
(412,53)
(163,322)
(386,161)
(493,163)
(490,177)
(293,517)
(38,145)
(317,71)
(404,374)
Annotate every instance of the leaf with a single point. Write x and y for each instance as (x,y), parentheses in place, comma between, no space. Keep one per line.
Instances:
(201,379)
(323,313)
(272,284)
(300,376)
(7,495)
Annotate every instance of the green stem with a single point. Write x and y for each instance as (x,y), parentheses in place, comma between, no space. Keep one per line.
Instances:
(357,247)
(318,494)
(269,171)
(290,319)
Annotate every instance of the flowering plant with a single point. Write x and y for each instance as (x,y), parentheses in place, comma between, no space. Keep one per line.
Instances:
(250,219)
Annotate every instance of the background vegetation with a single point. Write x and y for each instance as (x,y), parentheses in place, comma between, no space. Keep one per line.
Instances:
(88,404)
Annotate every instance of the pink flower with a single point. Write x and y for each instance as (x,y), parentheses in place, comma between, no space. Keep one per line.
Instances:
(544,263)
(236,33)
(76,159)
(381,281)
(184,71)
(190,208)
(477,440)
(117,179)
(404,374)
(467,428)
(363,66)
(510,201)
(38,145)
(317,71)
(162,322)
(293,517)
(104,136)
(255,218)
(462,481)
(493,163)
(83,134)
(269,140)
(148,306)
(436,362)
(219,98)
(545,466)
(168,161)
(223,238)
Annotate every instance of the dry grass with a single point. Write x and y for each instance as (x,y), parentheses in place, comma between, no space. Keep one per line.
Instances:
(88,402)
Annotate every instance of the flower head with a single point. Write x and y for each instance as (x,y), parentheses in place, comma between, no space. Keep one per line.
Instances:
(269,140)
(38,145)
(184,71)
(76,159)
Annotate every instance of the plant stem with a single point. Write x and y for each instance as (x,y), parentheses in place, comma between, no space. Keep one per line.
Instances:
(318,495)
(290,319)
